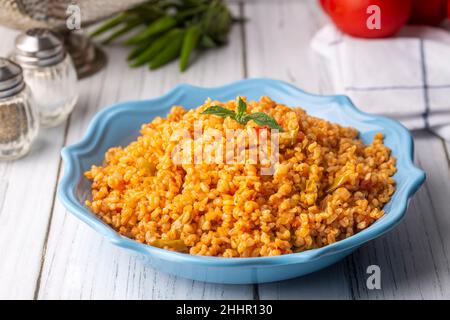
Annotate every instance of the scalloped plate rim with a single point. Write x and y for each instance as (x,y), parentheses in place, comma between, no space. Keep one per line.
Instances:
(71,177)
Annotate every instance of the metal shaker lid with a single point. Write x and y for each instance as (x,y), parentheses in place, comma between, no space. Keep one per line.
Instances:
(11,78)
(38,47)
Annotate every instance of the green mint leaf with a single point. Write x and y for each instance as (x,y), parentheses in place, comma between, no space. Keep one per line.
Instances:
(263,119)
(240,119)
(260,118)
(220,112)
(242,108)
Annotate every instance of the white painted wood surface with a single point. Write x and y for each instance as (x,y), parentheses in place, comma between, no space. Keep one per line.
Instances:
(46,253)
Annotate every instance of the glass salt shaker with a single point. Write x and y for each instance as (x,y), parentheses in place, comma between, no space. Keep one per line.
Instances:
(49,72)
(19,121)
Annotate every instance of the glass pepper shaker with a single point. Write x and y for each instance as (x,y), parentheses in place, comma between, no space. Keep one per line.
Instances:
(49,72)
(19,121)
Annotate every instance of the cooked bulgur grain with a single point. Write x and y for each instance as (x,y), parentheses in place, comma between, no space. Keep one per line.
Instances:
(326,187)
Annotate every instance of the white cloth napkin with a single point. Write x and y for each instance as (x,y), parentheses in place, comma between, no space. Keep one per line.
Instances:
(406,77)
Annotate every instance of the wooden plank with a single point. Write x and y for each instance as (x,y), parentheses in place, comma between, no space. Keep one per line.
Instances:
(78,262)
(27,188)
(278,36)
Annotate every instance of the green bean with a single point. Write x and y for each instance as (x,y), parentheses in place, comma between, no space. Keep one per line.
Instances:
(190,12)
(158,26)
(125,29)
(138,50)
(111,23)
(217,21)
(190,41)
(169,53)
(223,24)
(207,42)
(160,37)
(155,48)
(208,17)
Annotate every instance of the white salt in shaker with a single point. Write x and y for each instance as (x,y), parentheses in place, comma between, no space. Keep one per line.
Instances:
(49,72)
(19,121)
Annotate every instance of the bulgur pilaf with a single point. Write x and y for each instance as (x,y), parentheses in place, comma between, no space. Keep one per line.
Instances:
(326,187)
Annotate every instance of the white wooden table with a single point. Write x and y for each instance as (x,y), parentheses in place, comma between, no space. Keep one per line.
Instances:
(46,253)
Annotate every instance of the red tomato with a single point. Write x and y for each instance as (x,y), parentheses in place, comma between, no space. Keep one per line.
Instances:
(448,9)
(354,18)
(430,12)
(324,3)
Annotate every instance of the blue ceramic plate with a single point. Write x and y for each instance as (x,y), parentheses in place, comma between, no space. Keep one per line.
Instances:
(120,124)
